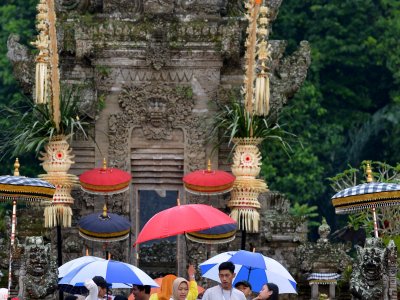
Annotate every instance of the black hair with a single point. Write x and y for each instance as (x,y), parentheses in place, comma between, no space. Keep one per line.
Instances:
(145,288)
(275,290)
(120,297)
(227,266)
(71,297)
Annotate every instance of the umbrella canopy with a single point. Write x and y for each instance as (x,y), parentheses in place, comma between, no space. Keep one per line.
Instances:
(72,264)
(105,227)
(105,181)
(21,188)
(370,195)
(208,182)
(252,267)
(114,272)
(181,219)
(365,196)
(215,235)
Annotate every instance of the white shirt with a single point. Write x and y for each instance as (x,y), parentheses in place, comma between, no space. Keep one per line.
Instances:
(217,293)
(93,290)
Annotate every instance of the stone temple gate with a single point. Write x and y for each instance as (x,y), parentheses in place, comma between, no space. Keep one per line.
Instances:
(152,73)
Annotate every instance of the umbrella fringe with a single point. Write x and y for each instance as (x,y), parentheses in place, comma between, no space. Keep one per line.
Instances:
(247,218)
(57,215)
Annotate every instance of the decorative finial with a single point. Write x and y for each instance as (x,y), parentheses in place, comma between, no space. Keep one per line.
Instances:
(16,167)
(368,171)
(209,166)
(105,211)
(104,164)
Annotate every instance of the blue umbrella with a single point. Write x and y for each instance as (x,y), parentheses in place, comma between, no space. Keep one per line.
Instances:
(214,235)
(114,272)
(105,227)
(252,267)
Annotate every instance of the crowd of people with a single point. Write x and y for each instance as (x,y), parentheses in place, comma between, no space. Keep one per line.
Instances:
(179,288)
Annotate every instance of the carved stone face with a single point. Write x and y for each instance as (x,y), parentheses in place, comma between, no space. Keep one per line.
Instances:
(371,263)
(37,258)
(157,109)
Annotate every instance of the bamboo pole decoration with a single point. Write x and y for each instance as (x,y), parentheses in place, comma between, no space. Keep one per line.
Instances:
(55,75)
(253,7)
(262,89)
(42,59)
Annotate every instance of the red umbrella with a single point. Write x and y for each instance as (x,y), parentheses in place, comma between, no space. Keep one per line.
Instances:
(181,219)
(208,182)
(105,181)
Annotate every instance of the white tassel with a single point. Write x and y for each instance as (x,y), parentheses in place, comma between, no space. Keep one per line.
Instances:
(41,83)
(57,215)
(247,218)
(262,95)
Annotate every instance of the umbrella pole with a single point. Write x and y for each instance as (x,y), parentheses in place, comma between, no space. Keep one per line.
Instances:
(59,255)
(243,241)
(375,222)
(12,239)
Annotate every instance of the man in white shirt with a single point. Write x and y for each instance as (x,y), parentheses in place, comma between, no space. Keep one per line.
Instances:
(224,291)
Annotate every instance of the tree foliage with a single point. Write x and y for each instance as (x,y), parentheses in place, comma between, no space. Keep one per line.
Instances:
(348,109)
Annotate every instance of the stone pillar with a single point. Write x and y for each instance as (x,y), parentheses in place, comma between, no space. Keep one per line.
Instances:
(332,291)
(314,291)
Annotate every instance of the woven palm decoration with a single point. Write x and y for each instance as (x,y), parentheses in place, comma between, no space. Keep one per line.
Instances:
(257,58)
(57,161)
(246,189)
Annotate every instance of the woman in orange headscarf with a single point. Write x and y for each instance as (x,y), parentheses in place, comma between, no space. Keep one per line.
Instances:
(165,292)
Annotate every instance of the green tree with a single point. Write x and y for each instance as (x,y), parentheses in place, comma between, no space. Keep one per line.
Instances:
(348,107)
(16,17)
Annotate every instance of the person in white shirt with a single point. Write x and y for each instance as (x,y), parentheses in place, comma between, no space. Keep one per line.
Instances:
(224,291)
(97,287)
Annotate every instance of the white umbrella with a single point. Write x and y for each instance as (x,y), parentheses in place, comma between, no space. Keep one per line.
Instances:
(252,267)
(72,264)
(114,272)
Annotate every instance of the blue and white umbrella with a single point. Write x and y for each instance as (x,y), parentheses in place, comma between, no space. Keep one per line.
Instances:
(72,264)
(114,272)
(252,267)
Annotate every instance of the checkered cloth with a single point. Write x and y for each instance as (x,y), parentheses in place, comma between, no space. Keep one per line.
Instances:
(323,276)
(26,189)
(25,181)
(367,188)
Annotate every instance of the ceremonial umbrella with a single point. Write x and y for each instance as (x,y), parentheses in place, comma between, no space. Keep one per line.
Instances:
(252,267)
(105,181)
(370,195)
(105,227)
(181,219)
(208,182)
(215,235)
(32,191)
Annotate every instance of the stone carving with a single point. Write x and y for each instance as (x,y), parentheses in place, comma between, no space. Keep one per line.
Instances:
(23,62)
(157,109)
(322,262)
(288,73)
(123,7)
(371,278)
(38,270)
(157,53)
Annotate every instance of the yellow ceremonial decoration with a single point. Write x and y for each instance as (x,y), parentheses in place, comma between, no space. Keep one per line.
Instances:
(244,196)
